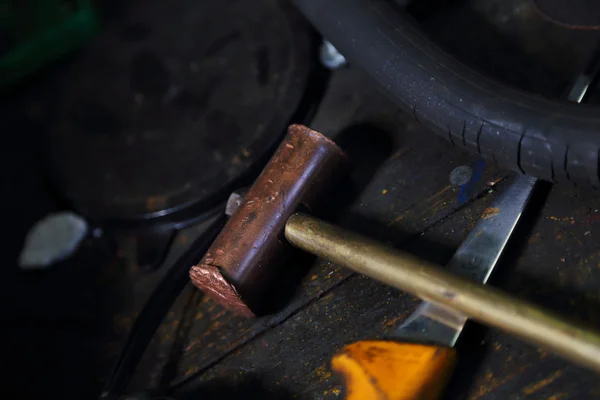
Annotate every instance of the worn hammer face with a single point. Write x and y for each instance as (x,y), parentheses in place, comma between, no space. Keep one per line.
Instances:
(240,265)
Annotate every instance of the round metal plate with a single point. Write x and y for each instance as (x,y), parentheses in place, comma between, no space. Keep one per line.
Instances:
(173,102)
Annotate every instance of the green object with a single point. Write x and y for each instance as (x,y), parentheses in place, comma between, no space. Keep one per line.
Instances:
(34,33)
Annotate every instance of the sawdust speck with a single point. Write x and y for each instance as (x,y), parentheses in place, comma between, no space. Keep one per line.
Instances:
(534,387)
(335,391)
(322,372)
(490,212)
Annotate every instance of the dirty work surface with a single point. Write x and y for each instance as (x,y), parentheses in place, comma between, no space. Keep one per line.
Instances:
(410,203)
(53,325)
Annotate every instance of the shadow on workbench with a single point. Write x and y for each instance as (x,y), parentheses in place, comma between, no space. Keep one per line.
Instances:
(250,389)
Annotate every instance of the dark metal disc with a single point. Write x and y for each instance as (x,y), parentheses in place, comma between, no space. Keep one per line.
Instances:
(578,14)
(174,101)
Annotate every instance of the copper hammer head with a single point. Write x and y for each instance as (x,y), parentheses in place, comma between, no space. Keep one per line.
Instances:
(241,263)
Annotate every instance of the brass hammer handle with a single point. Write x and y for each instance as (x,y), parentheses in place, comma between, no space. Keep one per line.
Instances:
(479,302)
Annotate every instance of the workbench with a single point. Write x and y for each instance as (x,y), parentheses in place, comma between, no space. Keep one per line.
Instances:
(63,329)
(406,200)
(411,204)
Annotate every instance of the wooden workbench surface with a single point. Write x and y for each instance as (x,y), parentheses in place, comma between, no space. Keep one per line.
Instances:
(55,323)
(410,203)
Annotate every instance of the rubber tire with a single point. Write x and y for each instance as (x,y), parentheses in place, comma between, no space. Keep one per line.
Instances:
(553,140)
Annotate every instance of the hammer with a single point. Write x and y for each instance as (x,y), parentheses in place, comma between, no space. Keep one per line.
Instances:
(240,266)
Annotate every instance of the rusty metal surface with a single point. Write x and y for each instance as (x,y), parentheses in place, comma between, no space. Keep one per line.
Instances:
(245,257)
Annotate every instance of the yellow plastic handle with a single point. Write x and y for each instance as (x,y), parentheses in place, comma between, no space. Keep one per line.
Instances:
(387,370)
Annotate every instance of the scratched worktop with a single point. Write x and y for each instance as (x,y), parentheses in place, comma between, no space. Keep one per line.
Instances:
(410,203)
